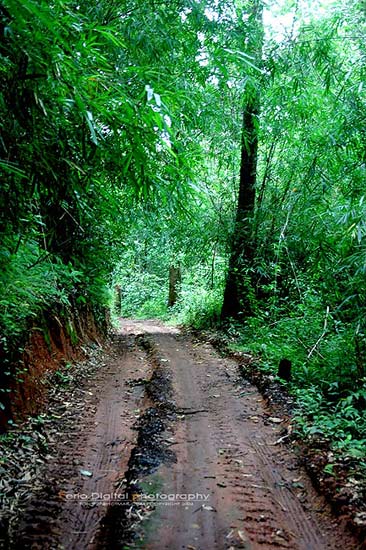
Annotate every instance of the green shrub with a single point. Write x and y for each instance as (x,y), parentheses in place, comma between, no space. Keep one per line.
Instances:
(29,286)
(143,295)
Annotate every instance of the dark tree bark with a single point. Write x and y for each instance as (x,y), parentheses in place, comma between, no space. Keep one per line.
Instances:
(284,369)
(118,299)
(239,289)
(175,278)
(236,296)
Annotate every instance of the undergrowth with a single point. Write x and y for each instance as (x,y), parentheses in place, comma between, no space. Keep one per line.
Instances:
(330,396)
(145,295)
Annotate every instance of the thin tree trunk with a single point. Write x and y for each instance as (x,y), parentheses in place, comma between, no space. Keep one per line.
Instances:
(175,278)
(118,299)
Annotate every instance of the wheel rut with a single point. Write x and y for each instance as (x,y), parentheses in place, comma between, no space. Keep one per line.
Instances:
(258,497)
(184,455)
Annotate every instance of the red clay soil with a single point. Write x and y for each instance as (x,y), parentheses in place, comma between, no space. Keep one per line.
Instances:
(233,483)
(48,348)
(28,395)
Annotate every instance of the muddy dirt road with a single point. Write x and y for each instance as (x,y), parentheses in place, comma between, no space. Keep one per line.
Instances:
(176,451)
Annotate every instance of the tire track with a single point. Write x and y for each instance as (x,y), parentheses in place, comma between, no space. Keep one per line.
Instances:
(229,452)
(88,457)
(232,485)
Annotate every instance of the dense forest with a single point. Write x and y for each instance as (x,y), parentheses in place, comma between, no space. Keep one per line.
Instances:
(222,143)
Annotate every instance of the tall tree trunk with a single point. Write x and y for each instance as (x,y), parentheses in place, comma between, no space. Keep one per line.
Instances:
(239,289)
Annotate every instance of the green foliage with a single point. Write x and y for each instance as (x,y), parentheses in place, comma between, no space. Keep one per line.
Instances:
(143,294)
(343,423)
(62,376)
(330,398)
(199,303)
(143,278)
(120,135)
(98,112)
(29,286)
(307,270)
(194,240)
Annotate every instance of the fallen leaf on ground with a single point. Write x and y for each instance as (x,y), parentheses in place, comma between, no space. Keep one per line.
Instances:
(275,420)
(242,536)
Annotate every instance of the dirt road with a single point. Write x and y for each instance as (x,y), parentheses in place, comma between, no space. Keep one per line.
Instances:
(176,451)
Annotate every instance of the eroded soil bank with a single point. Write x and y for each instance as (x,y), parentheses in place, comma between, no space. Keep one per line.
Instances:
(164,446)
(54,340)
